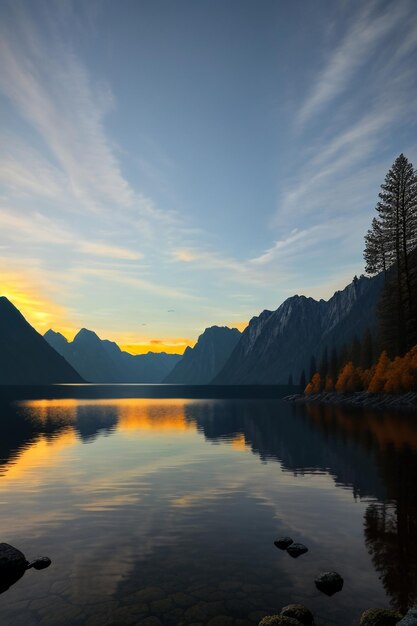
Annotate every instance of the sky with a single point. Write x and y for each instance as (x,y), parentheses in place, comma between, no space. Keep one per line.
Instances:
(168,165)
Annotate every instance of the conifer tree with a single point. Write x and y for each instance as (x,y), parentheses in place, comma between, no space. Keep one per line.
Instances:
(334,364)
(388,245)
(324,364)
(303,380)
(367,353)
(313,367)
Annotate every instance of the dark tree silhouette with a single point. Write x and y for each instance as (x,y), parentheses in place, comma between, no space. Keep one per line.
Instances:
(388,245)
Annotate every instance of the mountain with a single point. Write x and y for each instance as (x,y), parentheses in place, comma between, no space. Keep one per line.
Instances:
(102,361)
(280,343)
(199,365)
(25,357)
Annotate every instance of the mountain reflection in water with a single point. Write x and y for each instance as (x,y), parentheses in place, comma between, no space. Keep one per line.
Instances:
(149,505)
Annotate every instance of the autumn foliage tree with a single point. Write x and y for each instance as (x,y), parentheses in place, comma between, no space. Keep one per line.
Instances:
(386,376)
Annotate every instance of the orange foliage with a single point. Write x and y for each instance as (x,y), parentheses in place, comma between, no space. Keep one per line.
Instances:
(398,376)
(380,376)
(349,379)
(315,385)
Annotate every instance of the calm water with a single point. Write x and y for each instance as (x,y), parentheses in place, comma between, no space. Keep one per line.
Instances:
(164,510)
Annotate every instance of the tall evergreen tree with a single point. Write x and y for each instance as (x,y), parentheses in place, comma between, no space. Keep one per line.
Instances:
(355,351)
(376,249)
(334,364)
(303,381)
(388,245)
(367,353)
(324,364)
(313,367)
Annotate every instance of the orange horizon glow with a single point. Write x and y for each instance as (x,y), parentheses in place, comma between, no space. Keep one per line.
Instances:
(43,314)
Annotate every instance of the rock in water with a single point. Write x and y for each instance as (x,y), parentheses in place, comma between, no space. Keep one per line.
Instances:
(299,612)
(279,620)
(13,565)
(297,549)
(42,562)
(329,583)
(379,617)
(283,542)
(410,618)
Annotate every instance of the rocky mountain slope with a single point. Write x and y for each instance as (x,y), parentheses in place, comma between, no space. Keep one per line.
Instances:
(199,365)
(25,357)
(102,361)
(280,343)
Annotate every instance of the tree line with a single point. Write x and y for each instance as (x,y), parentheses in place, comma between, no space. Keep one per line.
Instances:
(385,361)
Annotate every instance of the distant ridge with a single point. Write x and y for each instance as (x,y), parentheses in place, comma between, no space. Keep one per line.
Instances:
(25,357)
(199,365)
(102,361)
(280,343)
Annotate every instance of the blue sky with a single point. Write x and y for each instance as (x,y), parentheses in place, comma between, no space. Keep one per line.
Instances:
(167,165)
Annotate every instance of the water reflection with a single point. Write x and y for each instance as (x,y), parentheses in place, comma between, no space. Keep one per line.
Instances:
(390,526)
(178,516)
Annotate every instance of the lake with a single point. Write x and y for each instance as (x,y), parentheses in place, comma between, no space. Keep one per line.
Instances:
(161,504)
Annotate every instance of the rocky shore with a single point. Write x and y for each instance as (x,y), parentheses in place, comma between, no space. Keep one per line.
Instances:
(299,615)
(359,399)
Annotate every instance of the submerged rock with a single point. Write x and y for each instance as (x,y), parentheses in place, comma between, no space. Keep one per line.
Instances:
(279,620)
(42,562)
(298,612)
(297,549)
(410,618)
(329,583)
(283,542)
(13,565)
(379,617)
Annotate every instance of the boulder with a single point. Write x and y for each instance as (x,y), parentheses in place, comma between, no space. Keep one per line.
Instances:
(279,620)
(13,565)
(283,542)
(299,612)
(42,562)
(297,549)
(379,617)
(329,583)
(410,618)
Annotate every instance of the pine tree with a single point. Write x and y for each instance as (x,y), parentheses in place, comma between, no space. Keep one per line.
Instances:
(324,364)
(376,247)
(389,242)
(334,364)
(313,367)
(367,353)
(355,351)
(303,380)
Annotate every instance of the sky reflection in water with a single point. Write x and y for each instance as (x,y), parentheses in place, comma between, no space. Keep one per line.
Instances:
(169,507)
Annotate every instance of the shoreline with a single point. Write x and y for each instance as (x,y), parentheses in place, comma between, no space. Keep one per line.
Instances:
(358,399)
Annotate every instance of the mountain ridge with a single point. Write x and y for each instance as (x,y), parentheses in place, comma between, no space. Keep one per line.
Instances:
(103,361)
(201,363)
(25,357)
(280,343)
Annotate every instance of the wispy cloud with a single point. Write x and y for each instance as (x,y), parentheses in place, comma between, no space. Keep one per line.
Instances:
(36,228)
(362,38)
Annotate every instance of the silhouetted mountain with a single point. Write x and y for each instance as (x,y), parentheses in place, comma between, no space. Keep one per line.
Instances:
(25,357)
(102,361)
(199,365)
(280,343)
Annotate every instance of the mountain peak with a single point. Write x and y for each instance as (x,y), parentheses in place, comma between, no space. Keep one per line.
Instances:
(85,335)
(200,364)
